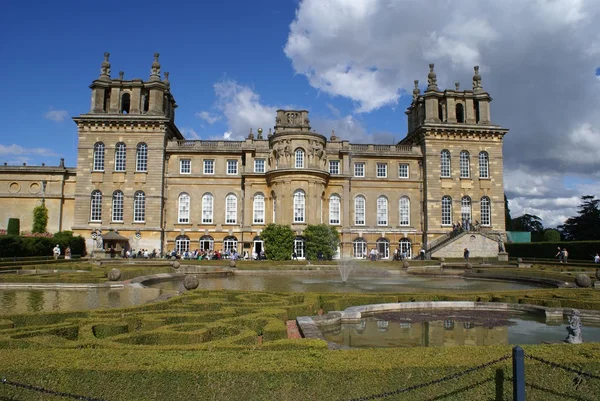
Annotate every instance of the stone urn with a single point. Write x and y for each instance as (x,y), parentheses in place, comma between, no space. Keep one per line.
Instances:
(519,260)
(405,264)
(173,258)
(583,280)
(232,263)
(468,265)
(442,259)
(114,274)
(175,265)
(191,282)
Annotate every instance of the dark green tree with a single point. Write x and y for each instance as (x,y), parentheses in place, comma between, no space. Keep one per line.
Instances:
(321,238)
(551,235)
(528,222)
(279,241)
(40,219)
(585,226)
(13,227)
(507,218)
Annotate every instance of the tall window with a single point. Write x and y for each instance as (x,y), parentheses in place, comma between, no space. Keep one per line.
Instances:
(299,203)
(96,206)
(300,247)
(299,158)
(207,209)
(232,167)
(359,210)
(445,163)
(259,209)
(141,158)
(405,248)
(209,166)
(484,165)
(460,113)
(334,209)
(381,170)
(139,207)
(120,157)
(259,165)
(464,164)
(403,170)
(446,210)
(359,246)
(117,206)
(382,211)
(184,208)
(486,211)
(207,243)
(359,169)
(465,208)
(334,167)
(230,244)
(182,244)
(404,208)
(383,247)
(99,157)
(185,166)
(231,209)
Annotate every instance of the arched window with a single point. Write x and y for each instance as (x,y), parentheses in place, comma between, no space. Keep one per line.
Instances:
(117,206)
(445,163)
(259,209)
(98,157)
(299,203)
(383,248)
(460,113)
(359,246)
(300,247)
(96,206)
(382,211)
(484,165)
(465,159)
(359,210)
(231,209)
(299,158)
(404,208)
(465,209)
(125,103)
(334,209)
(182,244)
(486,211)
(405,248)
(230,244)
(141,159)
(139,207)
(120,157)
(184,208)
(446,210)
(207,209)
(207,243)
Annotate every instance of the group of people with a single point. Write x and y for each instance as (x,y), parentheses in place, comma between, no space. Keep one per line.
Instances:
(465,225)
(140,254)
(56,252)
(562,255)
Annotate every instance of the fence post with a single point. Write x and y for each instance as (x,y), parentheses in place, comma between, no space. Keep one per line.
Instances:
(518,358)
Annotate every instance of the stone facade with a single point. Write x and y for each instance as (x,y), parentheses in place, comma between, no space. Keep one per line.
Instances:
(136,174)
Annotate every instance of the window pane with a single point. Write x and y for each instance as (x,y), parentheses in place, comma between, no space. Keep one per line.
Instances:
(405,248)
(207,209)
(139,207)
(259,165)
(232,167)
(360,248)
(299,158)
(209,166)
(464,164)
(445,163)
(381,170)
(259,209)
(231,209)
(446,210)
(117,209)
(96,206)
(359,210)
(99,157)
(120,156)
(184,208)
(298,207)
(334,209)
(404,211)
(185,166)
(484,165)
(382,211)
(334,167)
(403,171)
(359,169)
(486,211)
(141,162)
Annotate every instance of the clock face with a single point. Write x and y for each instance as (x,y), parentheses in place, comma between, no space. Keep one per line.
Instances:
(138,235)
(94,235)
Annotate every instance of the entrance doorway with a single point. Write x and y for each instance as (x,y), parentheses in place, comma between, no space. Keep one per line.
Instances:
(258,247)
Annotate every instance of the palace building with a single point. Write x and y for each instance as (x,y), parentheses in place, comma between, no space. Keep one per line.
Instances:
(139,179)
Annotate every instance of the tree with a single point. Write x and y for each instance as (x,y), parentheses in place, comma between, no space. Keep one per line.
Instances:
(279,241)
(13,227)
(528,222)
(321,238)
(585,226)
(40,219)
(551,235)
(507,218)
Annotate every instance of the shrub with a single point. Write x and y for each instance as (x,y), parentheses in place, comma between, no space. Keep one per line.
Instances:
(40,219)
(578,250)
(279,241)
(551,235)
(14,226)
(321,239)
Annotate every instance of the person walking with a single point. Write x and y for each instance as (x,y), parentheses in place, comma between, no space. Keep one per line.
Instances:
(466,254)
(565,255)
(56,251)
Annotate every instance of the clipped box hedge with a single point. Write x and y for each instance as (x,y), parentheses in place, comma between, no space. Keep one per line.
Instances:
(578,250)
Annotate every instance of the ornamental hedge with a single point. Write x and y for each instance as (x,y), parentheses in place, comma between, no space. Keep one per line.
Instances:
(578,250)
(15,246)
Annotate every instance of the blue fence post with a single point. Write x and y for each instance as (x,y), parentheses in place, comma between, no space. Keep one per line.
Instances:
(518,358)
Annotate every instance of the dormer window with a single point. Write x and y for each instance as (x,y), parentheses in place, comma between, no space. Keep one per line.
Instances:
(125,103)
(460,113)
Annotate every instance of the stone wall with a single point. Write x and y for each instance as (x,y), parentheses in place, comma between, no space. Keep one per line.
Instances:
(478,244)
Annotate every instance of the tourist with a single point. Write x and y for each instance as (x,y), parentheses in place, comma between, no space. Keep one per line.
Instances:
(56,251)
(112,252)
(68,253)
(559,254)
(294,256)
(565,255)
(422,253)
(466,254)
(597,258)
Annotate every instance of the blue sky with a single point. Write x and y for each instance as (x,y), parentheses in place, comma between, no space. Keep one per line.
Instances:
(350,63)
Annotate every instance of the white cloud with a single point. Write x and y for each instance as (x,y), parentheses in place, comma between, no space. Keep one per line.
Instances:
(189,133)
(16,154)
(208,117)
(56,115)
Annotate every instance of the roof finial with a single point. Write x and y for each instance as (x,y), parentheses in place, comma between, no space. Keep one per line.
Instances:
(260,131)
(105,69)
(155,70)
(250,135)
(333,137)
(477,80)
(270,133)
(457,86)
(416,91)
(431,79)
(166,80)
(121,75)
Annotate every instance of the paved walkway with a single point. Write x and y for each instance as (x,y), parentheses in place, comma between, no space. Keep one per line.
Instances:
(292,329)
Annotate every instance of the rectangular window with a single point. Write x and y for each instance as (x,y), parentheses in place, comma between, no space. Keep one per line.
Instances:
(259,165)
(403,170)
(232,167)
(185,166)
(334,167)
(381,170)
(209,166)
(359,169)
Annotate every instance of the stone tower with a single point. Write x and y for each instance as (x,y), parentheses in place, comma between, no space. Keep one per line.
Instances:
(462,156)
(121,157)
